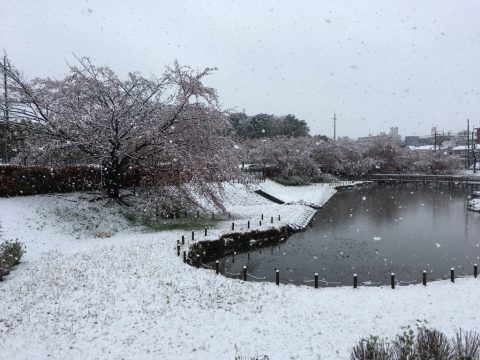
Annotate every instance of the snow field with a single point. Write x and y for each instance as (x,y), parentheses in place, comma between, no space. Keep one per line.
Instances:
(129,296)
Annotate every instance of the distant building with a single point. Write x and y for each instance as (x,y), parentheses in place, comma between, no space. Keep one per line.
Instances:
(392,135)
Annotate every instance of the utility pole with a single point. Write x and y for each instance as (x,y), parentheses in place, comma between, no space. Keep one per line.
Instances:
(6,114)
(468,143)
(474,155)
(334,126)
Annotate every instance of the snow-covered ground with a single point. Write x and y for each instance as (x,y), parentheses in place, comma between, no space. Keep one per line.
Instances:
(474,204)
(92,287)
(314,195)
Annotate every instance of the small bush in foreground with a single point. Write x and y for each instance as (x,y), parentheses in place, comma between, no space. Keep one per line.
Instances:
(10,254)
(426,344)
(372,348)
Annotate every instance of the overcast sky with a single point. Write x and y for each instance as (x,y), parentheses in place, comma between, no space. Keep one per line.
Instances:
(377,64)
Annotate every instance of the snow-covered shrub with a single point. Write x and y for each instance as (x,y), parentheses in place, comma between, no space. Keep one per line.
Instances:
(433,344)
(467,345)
(421,344)
(372,348)
(10,254)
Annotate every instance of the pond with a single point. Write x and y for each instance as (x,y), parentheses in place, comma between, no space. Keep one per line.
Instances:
(372,232)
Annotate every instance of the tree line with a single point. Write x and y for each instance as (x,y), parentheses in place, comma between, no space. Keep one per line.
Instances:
(92,116)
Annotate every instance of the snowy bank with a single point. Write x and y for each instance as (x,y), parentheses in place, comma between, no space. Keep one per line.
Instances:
(93,287)
(315,195)
(474,205)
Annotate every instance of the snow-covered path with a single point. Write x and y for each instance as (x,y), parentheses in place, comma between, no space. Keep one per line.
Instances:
(129,296)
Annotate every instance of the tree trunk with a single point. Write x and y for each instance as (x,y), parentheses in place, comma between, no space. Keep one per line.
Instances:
(112,178)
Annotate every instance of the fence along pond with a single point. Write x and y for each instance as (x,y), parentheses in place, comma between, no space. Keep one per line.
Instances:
(372,232)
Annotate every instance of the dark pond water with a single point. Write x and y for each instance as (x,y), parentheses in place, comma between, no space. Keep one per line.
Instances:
(372,232)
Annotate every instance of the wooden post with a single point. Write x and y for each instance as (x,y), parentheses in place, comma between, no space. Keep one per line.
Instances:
(248,224)
(205,231)
(316,280)
(475,270)
(392,280)
(193,235)
(217,267)
(452,274)
(233,226)
(277,277)
(183,239)
(244,273)
(184,256)
(424,278)
(355,281)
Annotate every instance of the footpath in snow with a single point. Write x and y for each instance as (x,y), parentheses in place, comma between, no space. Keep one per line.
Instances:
(92,287)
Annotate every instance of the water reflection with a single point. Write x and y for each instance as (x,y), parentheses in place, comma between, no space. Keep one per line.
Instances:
(373,232)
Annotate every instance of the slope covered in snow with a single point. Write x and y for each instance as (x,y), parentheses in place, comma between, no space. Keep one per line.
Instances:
(93,287)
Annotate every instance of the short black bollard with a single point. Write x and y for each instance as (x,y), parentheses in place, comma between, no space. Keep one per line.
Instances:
(233,226)
(262,216)
(424,278)
(185,214)
(229,215)
(248,224)
(193,235)
(392,280)
(205,231)
(452,275)
(184,256)
(178,250)
(213,216)
(244,273)
(260,222)
(278,217)
(198,214)
(277,277)
(316,280)
(355,281)
(248,255)
(475,270)
(217,267)
(183,239)
(198,261)
(233,257)
(271,220)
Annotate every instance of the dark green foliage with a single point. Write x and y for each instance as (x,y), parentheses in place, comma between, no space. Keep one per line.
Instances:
(292,180)
(10,254)
(403,347)
(16,180)
(265,125)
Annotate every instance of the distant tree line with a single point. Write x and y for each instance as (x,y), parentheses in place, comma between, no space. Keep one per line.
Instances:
(302,160)
(265,125)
